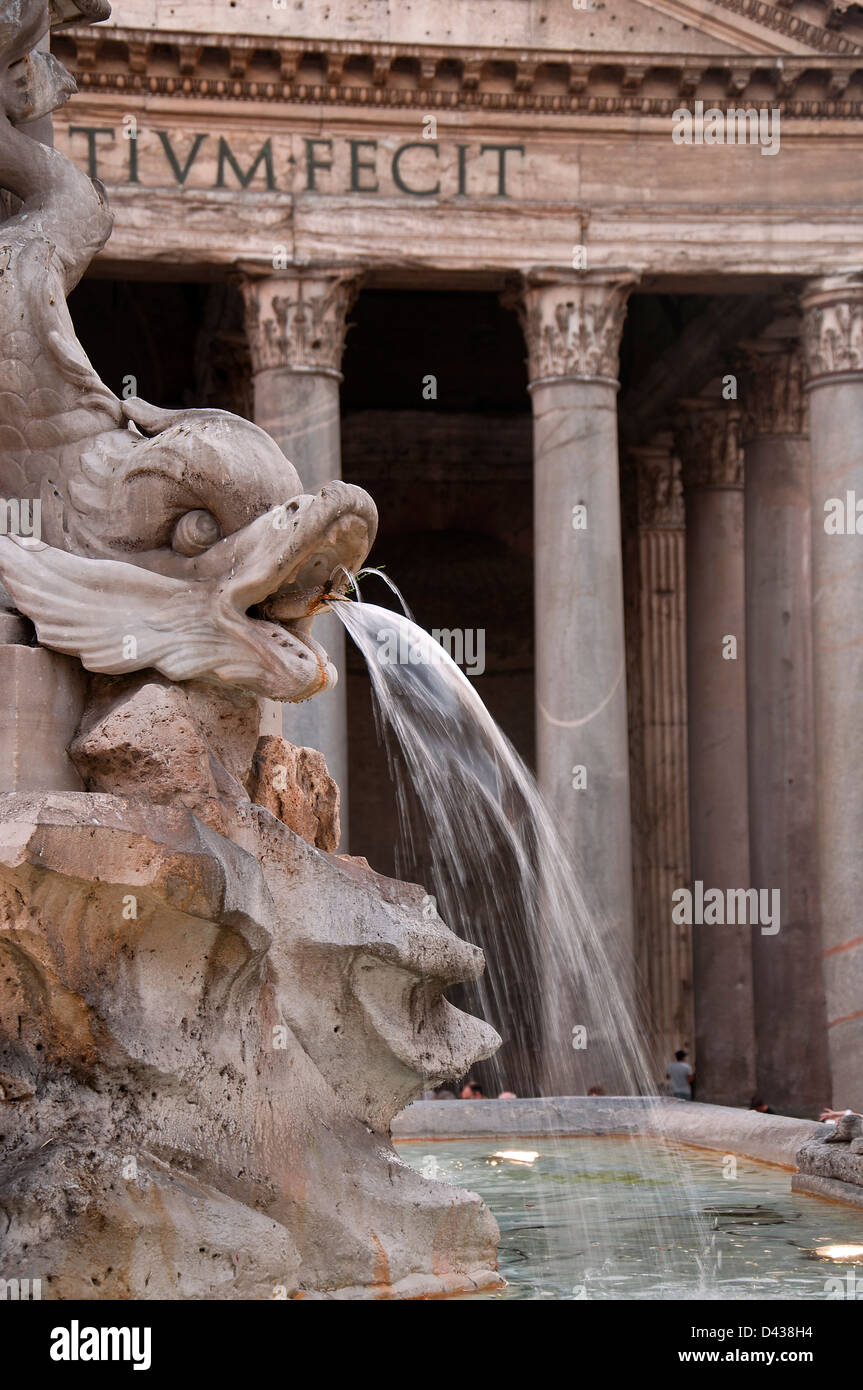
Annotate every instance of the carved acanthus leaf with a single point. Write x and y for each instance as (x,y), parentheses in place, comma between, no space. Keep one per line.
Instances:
(573,327)
(833,326)
(659,485)
(708,439)
(774,399)
(298,319)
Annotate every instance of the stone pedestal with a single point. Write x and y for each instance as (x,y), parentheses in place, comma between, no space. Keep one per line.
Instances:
(296,323)
(42,701)
(573,330)
(658,730)
(833,339)
(792,1062)
(708,439)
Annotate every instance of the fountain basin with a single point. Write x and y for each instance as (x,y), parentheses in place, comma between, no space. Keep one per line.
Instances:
(758,1240)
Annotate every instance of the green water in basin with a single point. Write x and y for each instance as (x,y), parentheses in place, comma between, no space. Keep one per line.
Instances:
(609,1218)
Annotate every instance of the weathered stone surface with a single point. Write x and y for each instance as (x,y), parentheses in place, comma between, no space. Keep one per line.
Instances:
(183,743)
(847,1128)
(830,1188)
(209,1044)
(295,785)
(41,699)
(828,1159)
(771,1138)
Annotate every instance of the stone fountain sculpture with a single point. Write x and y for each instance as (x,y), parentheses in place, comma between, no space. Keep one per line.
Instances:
(207,1017)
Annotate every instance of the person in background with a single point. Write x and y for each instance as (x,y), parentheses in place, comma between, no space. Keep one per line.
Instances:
(757,1103)
(681,1076)
(507,1095)
(596,1091)
(471,1090)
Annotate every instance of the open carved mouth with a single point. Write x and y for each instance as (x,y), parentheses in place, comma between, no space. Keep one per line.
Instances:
(328,536)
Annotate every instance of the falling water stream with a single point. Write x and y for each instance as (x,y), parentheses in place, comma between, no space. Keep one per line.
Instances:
(556,987)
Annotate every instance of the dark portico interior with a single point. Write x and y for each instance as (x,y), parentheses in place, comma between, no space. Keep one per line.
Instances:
(450,466)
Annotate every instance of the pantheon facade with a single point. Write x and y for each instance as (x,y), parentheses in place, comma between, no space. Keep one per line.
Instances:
(601,367)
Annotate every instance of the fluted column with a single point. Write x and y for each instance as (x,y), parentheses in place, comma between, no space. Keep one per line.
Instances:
(792,1063)
(296,323)
(709,443)
(833,340)
(658,718)
(573,328)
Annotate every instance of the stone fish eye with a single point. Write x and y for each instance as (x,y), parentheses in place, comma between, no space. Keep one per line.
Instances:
(195,532)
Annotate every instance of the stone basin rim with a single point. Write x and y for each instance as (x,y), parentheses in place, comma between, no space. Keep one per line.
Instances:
(773,1139)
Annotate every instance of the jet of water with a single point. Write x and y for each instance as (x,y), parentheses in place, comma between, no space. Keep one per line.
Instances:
(471,814)
(554,985)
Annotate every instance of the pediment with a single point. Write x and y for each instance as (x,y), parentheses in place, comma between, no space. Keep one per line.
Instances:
(637,27)
(761,27)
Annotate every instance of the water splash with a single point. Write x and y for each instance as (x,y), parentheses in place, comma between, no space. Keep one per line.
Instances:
(555,985)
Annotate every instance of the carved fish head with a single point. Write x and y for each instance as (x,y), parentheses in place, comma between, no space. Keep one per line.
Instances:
(185,542)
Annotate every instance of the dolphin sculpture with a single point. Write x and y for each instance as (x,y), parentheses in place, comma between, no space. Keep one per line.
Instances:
(179,540)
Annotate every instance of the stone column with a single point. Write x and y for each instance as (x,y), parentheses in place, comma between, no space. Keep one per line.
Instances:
(573,328)
(658,732)
(792,1066)
(709,443)
(833,340)
(296,322)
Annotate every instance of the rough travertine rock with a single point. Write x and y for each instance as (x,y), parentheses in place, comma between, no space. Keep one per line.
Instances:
(188,744)
(295,785)
(840,1160)
(210,1042)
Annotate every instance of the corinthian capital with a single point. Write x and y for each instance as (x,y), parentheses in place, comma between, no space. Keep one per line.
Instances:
(659,484)
(833,326)
(708,440)
(298,318)
(774,399)
(573,324)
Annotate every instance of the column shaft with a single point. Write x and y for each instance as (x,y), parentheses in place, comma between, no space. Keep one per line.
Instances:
(791,1043)
(297,324)
(573,332)
(658,733)
(718,814)
(834,349)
